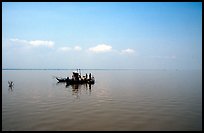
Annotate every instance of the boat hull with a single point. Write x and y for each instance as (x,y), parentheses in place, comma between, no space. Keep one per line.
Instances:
(70,81)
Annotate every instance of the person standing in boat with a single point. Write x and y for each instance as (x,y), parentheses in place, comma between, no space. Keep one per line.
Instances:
(90,76)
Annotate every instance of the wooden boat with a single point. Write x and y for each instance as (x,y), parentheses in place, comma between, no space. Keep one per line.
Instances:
(77,79)
(70,81)
(91,81)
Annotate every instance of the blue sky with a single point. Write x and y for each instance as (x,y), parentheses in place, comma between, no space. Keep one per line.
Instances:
(157,35)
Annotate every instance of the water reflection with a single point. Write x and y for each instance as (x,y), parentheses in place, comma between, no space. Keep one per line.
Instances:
(77,89)
(10,89)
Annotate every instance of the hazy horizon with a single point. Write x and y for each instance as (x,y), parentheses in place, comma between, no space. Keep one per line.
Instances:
(89,69)
(95,35)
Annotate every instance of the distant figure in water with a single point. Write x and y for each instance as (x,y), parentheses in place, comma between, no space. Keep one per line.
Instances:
(10,84)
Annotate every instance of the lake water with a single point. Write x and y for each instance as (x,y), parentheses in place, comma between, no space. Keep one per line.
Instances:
(119,100)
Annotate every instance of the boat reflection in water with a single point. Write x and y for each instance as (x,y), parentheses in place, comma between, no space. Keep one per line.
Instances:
(78,88)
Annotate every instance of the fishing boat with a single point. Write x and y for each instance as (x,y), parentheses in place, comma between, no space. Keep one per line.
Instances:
(78,79)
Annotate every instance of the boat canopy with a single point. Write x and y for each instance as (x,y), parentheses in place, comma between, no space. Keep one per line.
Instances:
(75,72)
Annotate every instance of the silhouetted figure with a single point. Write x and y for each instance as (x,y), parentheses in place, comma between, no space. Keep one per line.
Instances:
(86,76)
(90,76)
(10,84)
(80,72)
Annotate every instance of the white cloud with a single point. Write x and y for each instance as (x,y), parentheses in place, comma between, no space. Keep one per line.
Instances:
(101,48)
(42,43)
(77,48)
(34,43)
(128,51)
(18,41)
(64,49)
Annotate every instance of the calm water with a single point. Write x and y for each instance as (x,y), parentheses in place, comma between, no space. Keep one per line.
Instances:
(119,100)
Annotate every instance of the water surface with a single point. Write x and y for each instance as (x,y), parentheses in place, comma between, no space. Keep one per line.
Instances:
(119,100)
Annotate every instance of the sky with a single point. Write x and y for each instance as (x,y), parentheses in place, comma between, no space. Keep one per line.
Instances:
(99,35)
